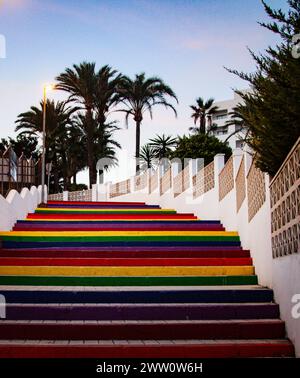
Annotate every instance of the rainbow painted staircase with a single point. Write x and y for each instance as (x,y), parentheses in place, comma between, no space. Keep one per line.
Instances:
(100,279)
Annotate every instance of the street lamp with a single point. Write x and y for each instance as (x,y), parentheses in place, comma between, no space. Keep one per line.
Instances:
(47,87)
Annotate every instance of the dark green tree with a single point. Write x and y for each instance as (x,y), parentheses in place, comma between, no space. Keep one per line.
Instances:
(22,145)
(200,146)
(271,111)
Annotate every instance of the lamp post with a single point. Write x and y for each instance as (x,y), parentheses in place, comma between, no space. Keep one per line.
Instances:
(45,89)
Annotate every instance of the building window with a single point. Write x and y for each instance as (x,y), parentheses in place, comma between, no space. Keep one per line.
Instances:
(220,115)
(221,131)
(239,144)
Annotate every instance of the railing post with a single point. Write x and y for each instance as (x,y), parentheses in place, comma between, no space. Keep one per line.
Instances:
(175,169)
(193,168)
(219,162)
(65,195)
(148,173)
(132,184)
(108,185)
(237,155)
(248,159)
(94,192)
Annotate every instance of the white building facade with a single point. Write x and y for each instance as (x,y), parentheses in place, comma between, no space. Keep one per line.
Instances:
(220,118)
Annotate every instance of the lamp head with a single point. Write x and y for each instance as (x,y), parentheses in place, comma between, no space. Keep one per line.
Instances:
(49,87)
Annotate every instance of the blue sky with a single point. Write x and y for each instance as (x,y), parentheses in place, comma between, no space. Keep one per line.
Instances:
(185,42)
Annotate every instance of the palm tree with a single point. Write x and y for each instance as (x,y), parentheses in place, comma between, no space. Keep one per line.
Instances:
(162,145)
(202,112)
(96,94)
(59,121)
(238,119)
(147,157)
(108,80)
(58,116)
(103,142)
(140,95)
(81,84)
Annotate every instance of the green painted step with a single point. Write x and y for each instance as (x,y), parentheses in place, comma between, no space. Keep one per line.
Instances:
(129,281)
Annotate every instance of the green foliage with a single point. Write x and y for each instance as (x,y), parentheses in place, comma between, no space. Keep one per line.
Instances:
(21,145)
(75,187)
(147,157)
(200,146)
(140,96)
(94,92)
(203,112)
(163,145)
(271,111)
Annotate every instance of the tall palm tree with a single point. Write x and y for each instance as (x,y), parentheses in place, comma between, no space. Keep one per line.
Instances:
(81,84)
(58,120)
(108,80)
(162,145)
(140,95)
(104,144)
(96,94)
(147,157)
(202,112)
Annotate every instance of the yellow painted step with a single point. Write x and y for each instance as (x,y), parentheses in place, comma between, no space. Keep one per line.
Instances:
(126,271)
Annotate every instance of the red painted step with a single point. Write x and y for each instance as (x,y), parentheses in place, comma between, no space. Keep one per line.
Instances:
(125,261)
(142,349)
(134,253)
(146,330)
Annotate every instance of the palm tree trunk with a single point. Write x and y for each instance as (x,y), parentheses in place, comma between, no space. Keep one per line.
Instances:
(202,125)
(56,182)
(137,145)
(90,147)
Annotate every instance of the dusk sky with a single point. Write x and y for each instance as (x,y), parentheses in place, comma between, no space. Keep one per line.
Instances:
(185,42)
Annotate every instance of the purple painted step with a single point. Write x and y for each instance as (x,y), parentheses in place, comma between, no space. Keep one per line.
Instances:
(126,226)
(186,311)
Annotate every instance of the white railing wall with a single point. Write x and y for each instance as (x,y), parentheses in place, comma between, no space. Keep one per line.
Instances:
(17,205)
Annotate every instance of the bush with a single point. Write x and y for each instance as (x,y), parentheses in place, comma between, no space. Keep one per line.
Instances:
(200,146)
(76,187)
